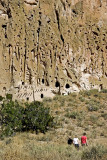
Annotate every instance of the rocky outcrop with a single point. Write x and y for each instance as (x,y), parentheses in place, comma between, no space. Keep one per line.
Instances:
(57,46)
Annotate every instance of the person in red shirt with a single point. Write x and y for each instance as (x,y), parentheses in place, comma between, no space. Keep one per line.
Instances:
(84,140)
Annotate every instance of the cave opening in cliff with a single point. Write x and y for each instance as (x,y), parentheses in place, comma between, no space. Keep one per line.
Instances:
(9,13)
(4,88)
(74,11)
(97,48)
(67,85)
(57,84)
(4,26)
(27,98)
(43,81)
(23,83)
(101,86)
(42,95)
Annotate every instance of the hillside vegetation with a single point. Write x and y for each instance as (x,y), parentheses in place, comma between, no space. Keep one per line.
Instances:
(73,114)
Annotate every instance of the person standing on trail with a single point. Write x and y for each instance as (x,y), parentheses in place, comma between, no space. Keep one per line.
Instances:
(84,140)
(76,142)
(70,141)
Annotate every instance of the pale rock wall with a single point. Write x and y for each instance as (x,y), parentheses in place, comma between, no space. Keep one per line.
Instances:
(57,45)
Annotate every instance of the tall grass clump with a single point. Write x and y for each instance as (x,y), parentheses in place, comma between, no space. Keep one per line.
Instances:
(96,152)
(72,115)
(93,105)
(104,115)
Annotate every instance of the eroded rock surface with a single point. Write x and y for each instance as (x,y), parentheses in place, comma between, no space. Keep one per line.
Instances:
(52,46)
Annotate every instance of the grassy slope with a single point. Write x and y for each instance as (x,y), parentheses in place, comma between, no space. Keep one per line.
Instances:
(73,114)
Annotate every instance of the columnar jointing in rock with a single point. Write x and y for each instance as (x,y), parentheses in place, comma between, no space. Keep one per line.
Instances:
(49,47)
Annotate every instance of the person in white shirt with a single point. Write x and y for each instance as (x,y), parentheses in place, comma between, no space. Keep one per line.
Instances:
(76,142)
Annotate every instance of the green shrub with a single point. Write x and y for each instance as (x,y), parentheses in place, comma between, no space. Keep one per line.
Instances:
(73,95)
(81,99)
(93,134)
(37,117)
(93,105)
(93,118)
(15,118)
(94,91)
(9,96)
(94,153)
(89,93)
(104,115)
(11,117)
(62,102)
(85,93)
(73,115)
(47,99)
(1,98)
(56,98)
(104,91)
(92,108)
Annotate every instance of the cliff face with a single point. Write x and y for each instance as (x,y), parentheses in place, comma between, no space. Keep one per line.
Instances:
(52,46)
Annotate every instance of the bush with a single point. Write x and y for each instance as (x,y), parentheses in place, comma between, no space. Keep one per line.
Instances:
(73,94)
(9,96)
(56,98)
(15,118)
(73,115)
(1,98)
(92,108)
(47,99)
(11,117)
(37,117)
(93,105)
(85,93)
(94,118)
(104,91)
(89,92)
(93,134)
(81,99)
(93,153)
(104,115)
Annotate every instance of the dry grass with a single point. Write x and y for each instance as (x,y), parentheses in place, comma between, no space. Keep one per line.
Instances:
(29,146)
(72,116)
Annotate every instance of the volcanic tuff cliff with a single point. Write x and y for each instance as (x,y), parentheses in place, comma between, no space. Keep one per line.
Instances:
(50,46)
